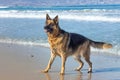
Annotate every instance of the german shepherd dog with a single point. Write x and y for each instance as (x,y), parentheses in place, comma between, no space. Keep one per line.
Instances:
(64,44)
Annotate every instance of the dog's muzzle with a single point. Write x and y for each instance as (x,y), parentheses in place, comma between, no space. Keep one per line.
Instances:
(47,29)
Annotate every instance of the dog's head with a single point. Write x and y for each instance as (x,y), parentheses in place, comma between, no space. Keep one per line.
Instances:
(52,26)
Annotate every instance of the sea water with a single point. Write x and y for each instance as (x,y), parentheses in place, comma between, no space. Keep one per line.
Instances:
(24,25)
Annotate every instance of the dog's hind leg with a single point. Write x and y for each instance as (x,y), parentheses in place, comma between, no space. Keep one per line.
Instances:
(77,58)
(90,64)
(87,58)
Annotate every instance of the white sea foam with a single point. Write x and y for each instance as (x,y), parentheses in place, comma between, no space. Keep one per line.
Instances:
(69,15)
(4,6)
(91,18)
(115,50)
(22,42)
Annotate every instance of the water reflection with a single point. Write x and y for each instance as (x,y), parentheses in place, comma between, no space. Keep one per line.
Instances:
(79,76)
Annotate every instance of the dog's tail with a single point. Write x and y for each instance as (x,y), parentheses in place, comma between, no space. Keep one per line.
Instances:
(101,45)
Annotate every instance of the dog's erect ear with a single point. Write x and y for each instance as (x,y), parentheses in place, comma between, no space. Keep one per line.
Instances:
(48,17)
(56,19)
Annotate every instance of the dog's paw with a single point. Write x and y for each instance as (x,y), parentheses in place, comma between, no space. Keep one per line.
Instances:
(77,69)
(44,71)
(61,73)
(90,71)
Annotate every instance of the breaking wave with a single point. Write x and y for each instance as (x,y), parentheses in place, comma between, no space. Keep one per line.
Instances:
(79,15)
(24,42)
(115,50)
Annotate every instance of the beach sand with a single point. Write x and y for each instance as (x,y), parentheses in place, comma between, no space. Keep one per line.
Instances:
(25,62)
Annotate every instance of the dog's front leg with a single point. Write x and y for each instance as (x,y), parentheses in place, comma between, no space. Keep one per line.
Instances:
(63,57)
(50,62)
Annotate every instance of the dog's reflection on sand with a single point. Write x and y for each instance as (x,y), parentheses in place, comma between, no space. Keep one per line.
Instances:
(62,77)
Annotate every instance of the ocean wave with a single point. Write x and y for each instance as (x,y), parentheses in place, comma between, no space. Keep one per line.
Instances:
(115,50)
(4,6)
(23,42)
(78,7)
(79,15)
(91,18)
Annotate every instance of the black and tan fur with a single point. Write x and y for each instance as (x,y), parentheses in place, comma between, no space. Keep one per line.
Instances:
(65,44)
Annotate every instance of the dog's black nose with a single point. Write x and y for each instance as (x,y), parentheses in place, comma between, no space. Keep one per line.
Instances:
(46,27)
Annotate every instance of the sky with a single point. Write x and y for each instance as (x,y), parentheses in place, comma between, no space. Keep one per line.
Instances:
(55,2)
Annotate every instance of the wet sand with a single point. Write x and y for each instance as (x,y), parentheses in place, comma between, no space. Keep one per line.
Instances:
(19,62)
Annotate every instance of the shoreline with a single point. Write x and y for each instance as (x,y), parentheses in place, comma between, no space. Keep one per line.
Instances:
(24,62)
